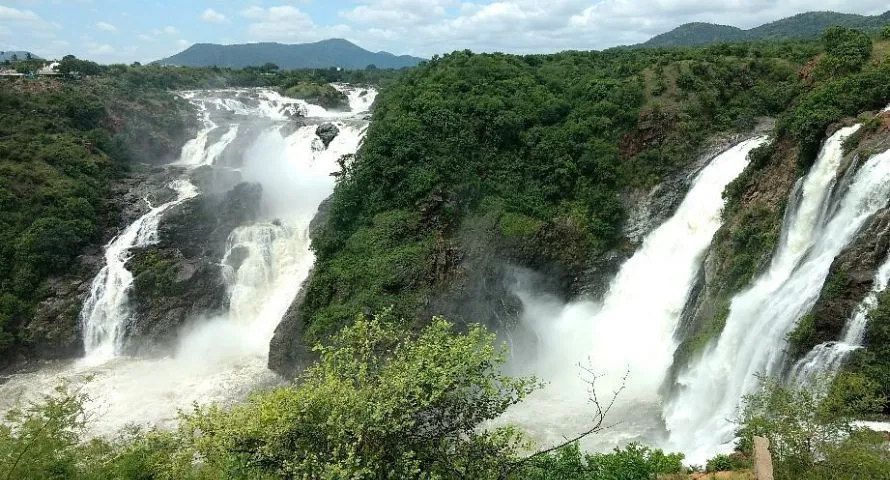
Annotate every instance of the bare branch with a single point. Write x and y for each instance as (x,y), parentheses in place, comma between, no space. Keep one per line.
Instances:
(601,411)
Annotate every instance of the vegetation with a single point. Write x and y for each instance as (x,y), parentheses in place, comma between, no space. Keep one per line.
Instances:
(811,435)
(319,94)
(843,81)
(543,144)
(61,145)
(808,25)
(377,404)
(873,361)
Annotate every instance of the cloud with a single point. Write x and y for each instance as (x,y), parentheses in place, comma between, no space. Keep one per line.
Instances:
(287,23)
(106,27)
(9,14)
(212,16)
(99,49)
(145,38)
(168,30)
(183,44)
(426,27)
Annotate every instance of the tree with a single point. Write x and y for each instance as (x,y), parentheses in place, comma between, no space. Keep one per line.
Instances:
(885,32)
(15,57)
(28,56)
(810,432)
(375,405)
(847,50)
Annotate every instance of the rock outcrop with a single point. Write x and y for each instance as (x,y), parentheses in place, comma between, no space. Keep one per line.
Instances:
(180,278)
(327,132)
(850,279)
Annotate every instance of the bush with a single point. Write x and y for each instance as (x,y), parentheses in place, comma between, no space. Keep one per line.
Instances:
(727,463)
(811,436)
(633,462)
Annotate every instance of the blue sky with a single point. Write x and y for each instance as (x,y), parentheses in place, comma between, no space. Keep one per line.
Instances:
(127,31)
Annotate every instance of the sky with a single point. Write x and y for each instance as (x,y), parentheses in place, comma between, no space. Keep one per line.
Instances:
(126,31)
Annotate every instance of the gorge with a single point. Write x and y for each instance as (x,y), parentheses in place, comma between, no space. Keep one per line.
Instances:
(439,278)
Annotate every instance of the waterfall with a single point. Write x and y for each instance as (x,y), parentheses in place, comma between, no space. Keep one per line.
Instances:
(217,359)
(633,330)
(827,358)
(105,311)
(818,227)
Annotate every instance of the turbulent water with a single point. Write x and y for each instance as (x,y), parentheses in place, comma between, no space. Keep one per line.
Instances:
(105,310)
(822,218)
(632,332)
(217,359)
(825,359)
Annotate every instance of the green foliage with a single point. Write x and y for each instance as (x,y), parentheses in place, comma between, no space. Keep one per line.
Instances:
(873,361)
(62,142)
(885,33)
(830,101)
(319,94)
(153,273)
(802,332)
(378,404)
(633,462)
(808,25)
(846,50)
(71,65)
(811,437)
(753,240)
(544,143)
(727,463)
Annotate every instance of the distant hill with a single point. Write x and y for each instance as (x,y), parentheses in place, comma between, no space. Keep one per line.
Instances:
(323,54)
(14,55)
(802,26)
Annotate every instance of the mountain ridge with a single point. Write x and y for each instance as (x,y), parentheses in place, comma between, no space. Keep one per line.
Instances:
(799,27)
(334,52)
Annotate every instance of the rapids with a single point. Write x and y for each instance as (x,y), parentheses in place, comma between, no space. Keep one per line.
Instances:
(217,359)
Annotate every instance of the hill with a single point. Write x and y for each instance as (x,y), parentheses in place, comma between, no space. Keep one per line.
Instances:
(14,55)
(323,54)
(802,26)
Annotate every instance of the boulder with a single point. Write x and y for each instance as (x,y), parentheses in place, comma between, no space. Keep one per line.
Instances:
(327,132)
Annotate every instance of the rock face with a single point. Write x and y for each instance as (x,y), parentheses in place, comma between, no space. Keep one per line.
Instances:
(850,279)
(180,277)
(327,132)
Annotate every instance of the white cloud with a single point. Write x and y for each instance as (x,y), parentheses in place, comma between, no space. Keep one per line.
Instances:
(287,23)
(212,16)
(9,14)
(168,30)
(426,27)
(99,49)
(145,38)
(183,44)
(106,27)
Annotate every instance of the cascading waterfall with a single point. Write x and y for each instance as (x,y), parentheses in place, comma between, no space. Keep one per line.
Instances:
(217,359)
(825,359)
(105,311)
(632,331)
(699,417)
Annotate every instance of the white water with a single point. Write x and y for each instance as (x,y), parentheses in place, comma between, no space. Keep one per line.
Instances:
(827,358)
(217,359)
(633,330)
(700,415)
(105,311)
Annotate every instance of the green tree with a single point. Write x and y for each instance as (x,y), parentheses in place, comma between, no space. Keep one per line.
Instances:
(847,50)
(811,434)
(376,405)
